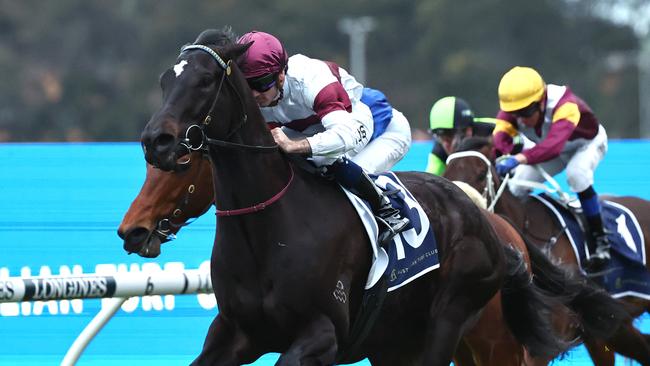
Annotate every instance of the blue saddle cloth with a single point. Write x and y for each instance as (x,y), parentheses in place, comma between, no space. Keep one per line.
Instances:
(626,274)
(414,251)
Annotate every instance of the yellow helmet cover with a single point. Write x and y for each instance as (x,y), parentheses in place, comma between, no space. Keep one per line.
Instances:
(519,88)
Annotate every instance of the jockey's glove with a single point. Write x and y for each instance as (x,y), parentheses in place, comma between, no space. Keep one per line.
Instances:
(506,165)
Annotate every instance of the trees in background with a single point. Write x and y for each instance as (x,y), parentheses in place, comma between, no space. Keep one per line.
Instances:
(79,70)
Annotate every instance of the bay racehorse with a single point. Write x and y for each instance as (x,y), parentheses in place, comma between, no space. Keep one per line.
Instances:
(181,196)
(290,257)
(539,225)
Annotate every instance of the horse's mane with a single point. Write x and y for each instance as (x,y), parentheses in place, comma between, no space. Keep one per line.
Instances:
(474,143)
(217,37)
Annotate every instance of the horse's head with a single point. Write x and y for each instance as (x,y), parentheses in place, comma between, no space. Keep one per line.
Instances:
(166,202)
(204,95)
(473,164)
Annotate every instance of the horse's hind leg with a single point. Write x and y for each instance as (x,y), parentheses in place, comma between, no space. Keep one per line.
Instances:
(315,345)
(469,280)
(225,345)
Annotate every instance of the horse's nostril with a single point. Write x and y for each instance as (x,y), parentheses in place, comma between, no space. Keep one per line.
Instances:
(164,143)
(135,238)
(120,233)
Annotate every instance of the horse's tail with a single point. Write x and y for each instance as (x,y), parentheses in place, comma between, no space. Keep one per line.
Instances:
(600,314)
(527,310)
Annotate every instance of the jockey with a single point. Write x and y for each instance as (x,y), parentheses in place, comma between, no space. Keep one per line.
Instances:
(451,120)
(327,115)
(567,135)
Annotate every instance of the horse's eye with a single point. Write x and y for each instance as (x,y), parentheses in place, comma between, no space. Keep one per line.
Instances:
(482,176)
(206,81)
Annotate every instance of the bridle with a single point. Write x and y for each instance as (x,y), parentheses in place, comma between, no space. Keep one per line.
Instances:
(493,196)
(166,227)
(489,193)
(225,143)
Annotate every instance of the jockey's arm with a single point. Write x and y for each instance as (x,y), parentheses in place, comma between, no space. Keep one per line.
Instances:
(343,132)
(504,132)
(299,146)
(552,145)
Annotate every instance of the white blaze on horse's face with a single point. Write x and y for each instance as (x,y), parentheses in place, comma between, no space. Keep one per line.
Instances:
(179,67)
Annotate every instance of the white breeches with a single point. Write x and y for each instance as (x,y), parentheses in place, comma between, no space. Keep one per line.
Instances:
(388,148)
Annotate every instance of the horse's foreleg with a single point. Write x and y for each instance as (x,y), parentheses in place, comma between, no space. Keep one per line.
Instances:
(315,345)
(226,345)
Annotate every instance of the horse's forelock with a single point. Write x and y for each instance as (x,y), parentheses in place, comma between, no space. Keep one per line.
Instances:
(217,37)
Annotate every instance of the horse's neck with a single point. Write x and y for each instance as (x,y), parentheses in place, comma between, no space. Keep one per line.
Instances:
(512,207)
(245,177)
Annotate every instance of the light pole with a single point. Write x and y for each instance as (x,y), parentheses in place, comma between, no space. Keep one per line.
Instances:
(357,29)
(644,88)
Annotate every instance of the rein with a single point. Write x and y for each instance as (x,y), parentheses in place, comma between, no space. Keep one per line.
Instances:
(226,66)
(489,193)
(260,206)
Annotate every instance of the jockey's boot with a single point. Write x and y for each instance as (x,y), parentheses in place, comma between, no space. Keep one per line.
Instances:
(351,176)
(389,218)
(597,240)
(598,244)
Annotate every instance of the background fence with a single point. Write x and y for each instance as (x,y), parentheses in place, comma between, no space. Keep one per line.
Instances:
(61,205)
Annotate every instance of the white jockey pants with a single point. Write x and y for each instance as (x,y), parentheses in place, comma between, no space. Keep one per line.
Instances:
(580,157)
(388,148)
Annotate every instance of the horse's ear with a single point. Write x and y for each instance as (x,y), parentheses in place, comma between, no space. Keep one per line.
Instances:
(240,49)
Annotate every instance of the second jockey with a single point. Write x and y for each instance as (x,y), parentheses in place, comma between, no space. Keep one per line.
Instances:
(322,112)
(567,135)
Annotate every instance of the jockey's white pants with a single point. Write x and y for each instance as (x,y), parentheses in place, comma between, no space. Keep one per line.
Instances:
(580,157)
(382,153)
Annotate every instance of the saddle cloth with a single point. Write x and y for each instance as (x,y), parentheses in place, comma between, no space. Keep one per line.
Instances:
(413,252)
(626,274)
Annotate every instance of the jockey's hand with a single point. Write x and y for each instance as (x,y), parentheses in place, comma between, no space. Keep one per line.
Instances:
(288,145)
(506,165)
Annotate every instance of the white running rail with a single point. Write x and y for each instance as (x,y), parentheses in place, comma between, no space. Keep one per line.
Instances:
(119,287)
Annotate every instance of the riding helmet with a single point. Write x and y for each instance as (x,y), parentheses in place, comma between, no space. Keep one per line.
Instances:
(265,56)
(450,113)
(519,88)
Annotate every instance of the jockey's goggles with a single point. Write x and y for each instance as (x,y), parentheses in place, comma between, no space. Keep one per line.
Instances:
(262,83)
(444,133)
(528,111)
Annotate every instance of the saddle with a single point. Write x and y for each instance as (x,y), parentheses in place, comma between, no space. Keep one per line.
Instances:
(625,274)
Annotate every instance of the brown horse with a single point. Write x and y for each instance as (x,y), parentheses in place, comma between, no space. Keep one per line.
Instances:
(278,261)
(539,225)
